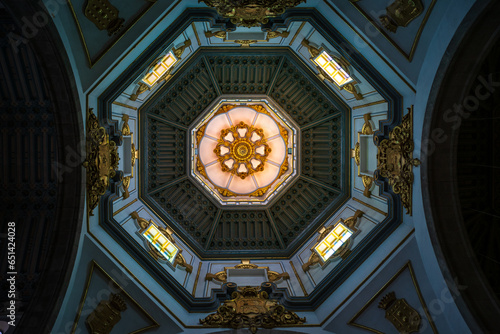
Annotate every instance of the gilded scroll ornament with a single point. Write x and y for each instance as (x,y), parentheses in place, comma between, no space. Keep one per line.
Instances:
(106,315)
(221,276)
(245,42)
(125,184)
(354,90)
(178,52)
(276,34)
(251,308)
(141,88)
(104,15)
(219,34)
(101,161)
(395,160)
(400,13)
(251,13)
(404,317)
(134,154)
(125,127)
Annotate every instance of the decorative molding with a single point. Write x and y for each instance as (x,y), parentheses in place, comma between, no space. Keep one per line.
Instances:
(251,13)
(299,279)
(350,87)
(368,181)
(125,184)
(106,315)
(178,260)
(141,88)
(343,251)
(221,276)
(400,13)
(124,207)
(404,317)
(395,160)
(104,15)
(101,161)
(178,52)
(297,33)
(251,308)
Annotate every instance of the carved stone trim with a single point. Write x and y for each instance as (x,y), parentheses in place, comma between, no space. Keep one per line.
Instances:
(251,308)
(106,315)
(178,260)
(221,276)
(101,161)
(395,160)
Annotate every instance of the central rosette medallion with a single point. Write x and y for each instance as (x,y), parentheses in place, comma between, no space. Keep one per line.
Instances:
(242,150)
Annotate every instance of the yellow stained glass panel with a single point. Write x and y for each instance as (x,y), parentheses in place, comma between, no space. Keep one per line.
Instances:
(333,241)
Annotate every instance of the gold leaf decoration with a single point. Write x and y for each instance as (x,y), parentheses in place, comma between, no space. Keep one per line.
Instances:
(101,161)
(251,308)
(395,160)
(251,13)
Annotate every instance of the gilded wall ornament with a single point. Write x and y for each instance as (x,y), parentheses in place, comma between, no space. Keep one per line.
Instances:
(101,161)
(250,13)
(395,160)
(276,34)
(125,184)
(106,315)
(404,317)
(219,34)
(125,127)
(141,88)
(104,15)
(135,154)
(178,260)
(400,13)
(221,276)
(245,42)
(251,308)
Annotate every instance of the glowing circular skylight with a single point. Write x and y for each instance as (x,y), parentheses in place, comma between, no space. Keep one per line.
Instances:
(243,152)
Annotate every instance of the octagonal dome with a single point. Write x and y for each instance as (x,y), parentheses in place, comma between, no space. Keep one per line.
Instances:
(298,202)
(243,151)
